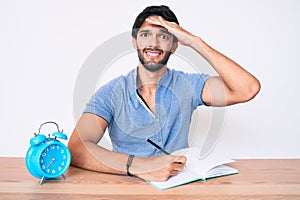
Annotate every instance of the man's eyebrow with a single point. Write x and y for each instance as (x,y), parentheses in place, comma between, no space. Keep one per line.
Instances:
(164,31)
(144,31)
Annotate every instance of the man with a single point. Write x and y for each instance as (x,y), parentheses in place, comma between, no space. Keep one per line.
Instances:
(154,102)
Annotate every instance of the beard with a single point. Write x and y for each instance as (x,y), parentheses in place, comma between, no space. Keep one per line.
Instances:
(151,65)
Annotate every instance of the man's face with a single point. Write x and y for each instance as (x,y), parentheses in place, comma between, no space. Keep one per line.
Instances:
(154,46)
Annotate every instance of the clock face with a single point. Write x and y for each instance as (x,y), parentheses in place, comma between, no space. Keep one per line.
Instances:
(54,160)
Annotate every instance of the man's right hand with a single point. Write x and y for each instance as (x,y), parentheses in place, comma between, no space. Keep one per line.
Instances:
(157,168)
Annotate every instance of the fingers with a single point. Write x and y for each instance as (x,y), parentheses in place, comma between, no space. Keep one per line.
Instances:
(183,36)
(158,20)
(181,159)
(155,20)
(175,167)
(178,164)
(173,173)
(177,159)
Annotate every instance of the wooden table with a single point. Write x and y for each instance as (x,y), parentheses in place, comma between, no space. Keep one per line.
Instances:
(258,179)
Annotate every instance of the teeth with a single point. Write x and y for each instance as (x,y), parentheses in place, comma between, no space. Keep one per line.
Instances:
(152,54)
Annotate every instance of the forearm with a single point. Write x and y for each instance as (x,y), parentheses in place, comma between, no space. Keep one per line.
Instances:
(84,149)
(90,156)
(93,157)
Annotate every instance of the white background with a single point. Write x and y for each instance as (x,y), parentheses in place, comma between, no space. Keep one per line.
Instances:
(44,44)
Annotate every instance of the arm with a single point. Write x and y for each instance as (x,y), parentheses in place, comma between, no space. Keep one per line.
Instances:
(233,85)
(88,155)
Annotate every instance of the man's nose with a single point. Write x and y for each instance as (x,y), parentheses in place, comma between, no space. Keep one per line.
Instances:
(153,42)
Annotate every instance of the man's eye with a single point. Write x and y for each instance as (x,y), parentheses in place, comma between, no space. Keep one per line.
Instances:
(144,35)
(164,37)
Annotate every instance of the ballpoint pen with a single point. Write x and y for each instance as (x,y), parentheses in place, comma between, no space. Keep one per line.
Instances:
(158,147)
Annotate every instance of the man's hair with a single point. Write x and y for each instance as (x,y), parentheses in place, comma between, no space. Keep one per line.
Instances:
(163,11)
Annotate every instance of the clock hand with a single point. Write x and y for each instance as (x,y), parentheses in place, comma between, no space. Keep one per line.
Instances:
(52,161)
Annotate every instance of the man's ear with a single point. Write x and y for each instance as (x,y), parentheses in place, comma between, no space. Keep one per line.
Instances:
(134,43)
(174,47)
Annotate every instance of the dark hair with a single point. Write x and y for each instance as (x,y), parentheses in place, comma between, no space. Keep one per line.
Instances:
(163,11)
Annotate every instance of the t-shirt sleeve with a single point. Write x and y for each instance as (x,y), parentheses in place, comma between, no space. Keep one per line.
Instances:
(100,103)
(197,82)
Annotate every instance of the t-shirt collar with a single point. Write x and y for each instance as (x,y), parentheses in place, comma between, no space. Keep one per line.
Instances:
(164,80)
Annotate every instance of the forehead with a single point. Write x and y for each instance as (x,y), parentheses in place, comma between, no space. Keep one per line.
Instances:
(146,26)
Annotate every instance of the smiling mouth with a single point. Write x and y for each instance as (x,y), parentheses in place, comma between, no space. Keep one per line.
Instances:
(153,53)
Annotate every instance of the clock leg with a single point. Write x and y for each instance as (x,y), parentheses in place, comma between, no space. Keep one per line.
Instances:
(64,177)
(42,180)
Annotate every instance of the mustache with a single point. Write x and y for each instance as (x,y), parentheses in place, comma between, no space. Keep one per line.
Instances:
(153,49)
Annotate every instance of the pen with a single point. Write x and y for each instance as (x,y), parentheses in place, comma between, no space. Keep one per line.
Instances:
(158,147)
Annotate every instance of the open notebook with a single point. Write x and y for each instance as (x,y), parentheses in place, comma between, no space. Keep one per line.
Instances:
(211,166)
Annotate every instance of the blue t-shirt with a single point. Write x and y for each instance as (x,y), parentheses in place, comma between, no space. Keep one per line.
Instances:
(130,121)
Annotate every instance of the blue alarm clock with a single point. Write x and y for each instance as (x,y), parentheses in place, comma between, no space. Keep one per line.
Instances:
(47,157)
